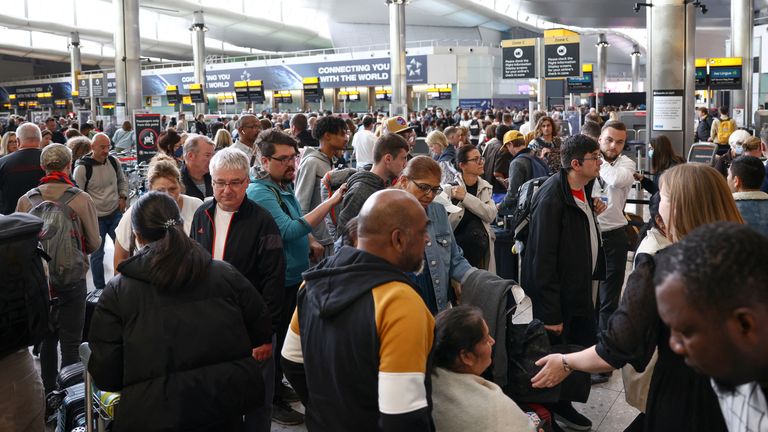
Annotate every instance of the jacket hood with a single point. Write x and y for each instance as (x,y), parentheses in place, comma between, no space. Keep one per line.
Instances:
(364,178)
(313,152)
(448,155)
(137,266)
(341,279)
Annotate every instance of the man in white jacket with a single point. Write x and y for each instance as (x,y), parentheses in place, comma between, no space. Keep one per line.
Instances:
(613,186)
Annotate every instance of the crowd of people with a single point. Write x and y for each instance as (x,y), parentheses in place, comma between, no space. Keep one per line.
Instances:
(320,259)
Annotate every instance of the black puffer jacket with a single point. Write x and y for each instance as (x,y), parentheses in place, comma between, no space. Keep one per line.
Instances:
(181,361)
(361,185)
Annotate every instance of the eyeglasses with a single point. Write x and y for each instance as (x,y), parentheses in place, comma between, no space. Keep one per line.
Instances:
(284,159)
(480,160)
(425,188)
(220,184)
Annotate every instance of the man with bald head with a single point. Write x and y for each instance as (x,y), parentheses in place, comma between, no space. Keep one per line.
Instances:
(20,171)
(357,347)
(101,176)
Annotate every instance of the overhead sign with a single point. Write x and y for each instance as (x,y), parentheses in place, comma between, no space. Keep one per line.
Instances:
(701,74)
(583,84)
(83,86)
(98,85)
(725,73)
(561,54)
(147,126)
(519,58)
(312,90)
(668,110)
(383,94)
(282,97)
(197,94)
(172,93)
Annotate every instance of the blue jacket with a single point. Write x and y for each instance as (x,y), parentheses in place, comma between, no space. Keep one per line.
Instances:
(444,256)
(753,207)
(287,215)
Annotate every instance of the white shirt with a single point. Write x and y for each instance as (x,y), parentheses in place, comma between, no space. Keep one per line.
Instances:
(221,225)
(363,142)
(253,153)
(525,128)
(593,235)
(617,180)
(124,232)
(745,408)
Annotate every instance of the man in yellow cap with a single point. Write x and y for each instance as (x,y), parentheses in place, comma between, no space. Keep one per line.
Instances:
(523,167)
(398,125)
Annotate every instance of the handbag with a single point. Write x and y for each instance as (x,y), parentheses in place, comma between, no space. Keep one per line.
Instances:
(637,384)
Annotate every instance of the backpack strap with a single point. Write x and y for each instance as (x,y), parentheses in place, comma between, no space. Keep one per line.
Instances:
(89,170)
(280,201)
(35,197)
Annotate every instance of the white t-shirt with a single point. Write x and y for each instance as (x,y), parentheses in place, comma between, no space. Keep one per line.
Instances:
(123,232)
(221,225)
(363,142)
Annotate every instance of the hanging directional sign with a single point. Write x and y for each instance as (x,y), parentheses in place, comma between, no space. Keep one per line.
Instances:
(98,85)
(701,74)
(519,58)
(583,84)
(83,86)
(561,54)
(725,73)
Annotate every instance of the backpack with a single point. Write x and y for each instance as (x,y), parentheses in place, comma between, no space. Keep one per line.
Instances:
(538,167)
(88,164)
(61,237)
(331,181)
(24,298)
(525,196)
(474,128)
(725,130)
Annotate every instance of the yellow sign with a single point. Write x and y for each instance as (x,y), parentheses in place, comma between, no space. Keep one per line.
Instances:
(44,95)
(240,84)
(195,86)
(383,91)
(701,62)
(170,88)
(75,93)
(586,67)
(560,36)
(311,80)
(514,43)
(725,61)
(254,83)
(12,96)
(108,106)
(186,100)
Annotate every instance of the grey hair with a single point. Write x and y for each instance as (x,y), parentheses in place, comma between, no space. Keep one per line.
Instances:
(239,122)
(192,144)
(28,132)
(229,158)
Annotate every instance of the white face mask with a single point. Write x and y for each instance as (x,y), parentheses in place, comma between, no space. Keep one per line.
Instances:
(739,150)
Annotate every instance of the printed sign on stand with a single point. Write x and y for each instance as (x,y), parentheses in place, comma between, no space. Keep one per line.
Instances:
(519,58)
(561,54)
(147,127)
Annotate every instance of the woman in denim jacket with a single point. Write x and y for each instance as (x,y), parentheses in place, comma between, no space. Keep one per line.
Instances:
(443,258)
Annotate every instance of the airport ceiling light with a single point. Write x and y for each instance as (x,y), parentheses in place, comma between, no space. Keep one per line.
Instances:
(398,1)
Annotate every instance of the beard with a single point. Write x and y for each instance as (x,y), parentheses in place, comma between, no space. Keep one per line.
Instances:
(609,158)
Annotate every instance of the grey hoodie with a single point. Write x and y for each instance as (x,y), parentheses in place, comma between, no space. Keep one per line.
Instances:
(360,186)
(314,165)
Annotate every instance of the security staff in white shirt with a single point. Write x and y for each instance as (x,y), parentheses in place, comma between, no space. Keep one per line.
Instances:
(613,187)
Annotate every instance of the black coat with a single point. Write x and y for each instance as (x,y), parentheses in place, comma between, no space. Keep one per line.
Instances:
(181,361)
(557,260)
(254,246)
(191,189)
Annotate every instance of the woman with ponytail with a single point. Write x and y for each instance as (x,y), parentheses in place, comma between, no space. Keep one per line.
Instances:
(174,331)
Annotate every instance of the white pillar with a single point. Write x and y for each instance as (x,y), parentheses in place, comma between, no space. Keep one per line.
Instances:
(127,60)
(198,53)
(398,104)
(742,13)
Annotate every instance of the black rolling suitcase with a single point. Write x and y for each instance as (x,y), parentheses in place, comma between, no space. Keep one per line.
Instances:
(70,375)
(71,412)
(90,305)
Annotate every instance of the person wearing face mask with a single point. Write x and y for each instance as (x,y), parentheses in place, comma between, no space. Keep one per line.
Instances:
(662,157)
(736,141)
(169,143)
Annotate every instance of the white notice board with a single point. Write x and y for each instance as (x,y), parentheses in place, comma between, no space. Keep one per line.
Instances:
(668,110)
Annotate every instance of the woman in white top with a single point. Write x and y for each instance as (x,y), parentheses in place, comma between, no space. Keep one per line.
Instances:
(462,400)
(472,225)
(163,176)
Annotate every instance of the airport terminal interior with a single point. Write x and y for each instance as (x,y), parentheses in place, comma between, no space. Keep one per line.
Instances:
(384,215)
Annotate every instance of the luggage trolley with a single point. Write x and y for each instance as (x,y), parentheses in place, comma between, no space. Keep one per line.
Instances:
(100,405)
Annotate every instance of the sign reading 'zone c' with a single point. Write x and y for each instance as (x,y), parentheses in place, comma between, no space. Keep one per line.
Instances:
(561,54)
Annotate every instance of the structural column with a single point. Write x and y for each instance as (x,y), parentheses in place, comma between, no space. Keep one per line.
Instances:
(398,105)
(542,90)
(198,53)
(741,46)
(74,59)
(670,70)
(635,68)
(127,60)
(602,67)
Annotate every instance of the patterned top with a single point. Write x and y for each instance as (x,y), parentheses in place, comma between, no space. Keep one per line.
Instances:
(744,408)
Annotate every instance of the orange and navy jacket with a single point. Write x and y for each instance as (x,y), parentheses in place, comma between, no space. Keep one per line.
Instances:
(358,347)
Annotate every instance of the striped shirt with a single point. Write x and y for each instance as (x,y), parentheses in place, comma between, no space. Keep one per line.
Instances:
(744,408)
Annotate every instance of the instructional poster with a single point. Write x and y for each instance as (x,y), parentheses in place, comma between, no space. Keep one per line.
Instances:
(668,110)
(519,58)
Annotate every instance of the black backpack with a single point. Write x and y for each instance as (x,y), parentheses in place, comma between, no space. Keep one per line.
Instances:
(24,296)
(525,196)
(474,128)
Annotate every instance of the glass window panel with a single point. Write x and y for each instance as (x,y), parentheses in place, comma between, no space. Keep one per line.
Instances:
(49,41)
(95,14)
(14,37)
(42,10)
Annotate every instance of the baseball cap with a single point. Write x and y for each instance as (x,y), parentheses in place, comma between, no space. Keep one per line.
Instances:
(55,157)
(397,124)
(512,135)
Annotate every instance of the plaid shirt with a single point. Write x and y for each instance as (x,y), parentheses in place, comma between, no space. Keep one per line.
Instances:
(744,408)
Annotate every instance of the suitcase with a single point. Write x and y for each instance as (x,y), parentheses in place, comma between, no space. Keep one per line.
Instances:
(70,375)
(90,305)
(71,413)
